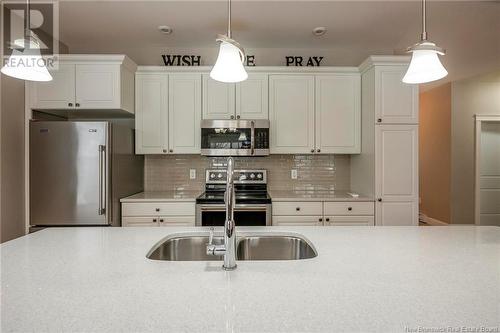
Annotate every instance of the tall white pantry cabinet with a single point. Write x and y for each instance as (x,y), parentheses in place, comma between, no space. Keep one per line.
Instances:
(387,167)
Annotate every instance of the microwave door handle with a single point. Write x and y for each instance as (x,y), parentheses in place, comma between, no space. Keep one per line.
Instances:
(252,137)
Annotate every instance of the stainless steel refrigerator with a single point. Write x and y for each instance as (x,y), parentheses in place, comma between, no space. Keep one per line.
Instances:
(79,170)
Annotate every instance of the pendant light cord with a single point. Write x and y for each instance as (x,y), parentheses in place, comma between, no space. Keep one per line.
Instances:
(423,37)
(228,20)
(27,32)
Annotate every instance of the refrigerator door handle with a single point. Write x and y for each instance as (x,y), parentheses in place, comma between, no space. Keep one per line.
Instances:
(102,180)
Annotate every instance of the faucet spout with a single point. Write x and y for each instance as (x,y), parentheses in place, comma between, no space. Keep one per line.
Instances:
(229,225)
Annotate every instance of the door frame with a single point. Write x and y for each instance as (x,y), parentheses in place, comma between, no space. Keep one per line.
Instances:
(479,119)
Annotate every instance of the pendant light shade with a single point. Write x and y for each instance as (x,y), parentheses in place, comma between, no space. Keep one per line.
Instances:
(27,64)
(425,65)
(229,65)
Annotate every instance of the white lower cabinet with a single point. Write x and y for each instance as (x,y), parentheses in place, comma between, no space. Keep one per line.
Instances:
(154,214)
(327,213)
(349,220)
(298,220)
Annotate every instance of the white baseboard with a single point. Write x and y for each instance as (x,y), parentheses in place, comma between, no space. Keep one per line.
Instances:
(431,221)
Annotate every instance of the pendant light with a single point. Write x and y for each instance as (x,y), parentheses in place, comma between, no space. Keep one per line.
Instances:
(27,64)
(425,65)
(229,65)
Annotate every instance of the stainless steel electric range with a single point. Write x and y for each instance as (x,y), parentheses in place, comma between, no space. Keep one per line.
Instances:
(253,203)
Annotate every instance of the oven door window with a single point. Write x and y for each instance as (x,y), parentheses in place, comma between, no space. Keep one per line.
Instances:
(241,218)
(226,138)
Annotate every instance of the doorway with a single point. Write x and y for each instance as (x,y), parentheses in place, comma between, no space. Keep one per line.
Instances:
(487,198)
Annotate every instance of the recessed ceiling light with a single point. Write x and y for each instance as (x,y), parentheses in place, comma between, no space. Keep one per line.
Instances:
(165,29)
(319,31)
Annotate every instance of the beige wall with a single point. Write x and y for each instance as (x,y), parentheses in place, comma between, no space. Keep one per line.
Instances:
(477,95)
(435,152)
(12,158)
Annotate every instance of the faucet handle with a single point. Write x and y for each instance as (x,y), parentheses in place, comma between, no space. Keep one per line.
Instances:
(211,236)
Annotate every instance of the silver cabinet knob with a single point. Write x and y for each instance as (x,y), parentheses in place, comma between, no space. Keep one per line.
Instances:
(232,117)
(238,117)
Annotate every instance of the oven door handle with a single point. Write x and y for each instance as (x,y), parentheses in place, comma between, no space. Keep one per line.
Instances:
(237,208)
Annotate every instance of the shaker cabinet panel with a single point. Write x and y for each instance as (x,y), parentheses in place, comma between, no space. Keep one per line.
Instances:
(396,162)
(291,113)
(338,113)
(252,97)
(184,99)
(396,102)
(151,113)
(218,99)
(349,221)
(298,220)
(98,86)
(397,213)
(56,94)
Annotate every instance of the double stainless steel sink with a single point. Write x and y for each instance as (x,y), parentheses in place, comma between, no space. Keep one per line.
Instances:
(193,247)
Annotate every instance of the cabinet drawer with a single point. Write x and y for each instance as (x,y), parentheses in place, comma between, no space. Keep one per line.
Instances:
(158,209)
(349,220)
(177,221)
(140,221)
(298,220)
(297,208)
(349,208)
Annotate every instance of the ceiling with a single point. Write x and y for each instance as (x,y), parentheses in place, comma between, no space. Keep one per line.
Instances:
(469,30)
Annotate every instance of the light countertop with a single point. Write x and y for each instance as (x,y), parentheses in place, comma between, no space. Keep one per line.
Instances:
(157,196)
(316,196)
(386,279)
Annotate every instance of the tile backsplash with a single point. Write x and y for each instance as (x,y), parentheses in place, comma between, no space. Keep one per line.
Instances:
(314,172)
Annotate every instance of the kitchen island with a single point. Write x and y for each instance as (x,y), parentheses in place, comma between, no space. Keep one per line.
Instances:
(386,279)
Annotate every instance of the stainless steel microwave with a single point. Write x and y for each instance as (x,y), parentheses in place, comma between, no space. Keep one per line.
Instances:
(235,137)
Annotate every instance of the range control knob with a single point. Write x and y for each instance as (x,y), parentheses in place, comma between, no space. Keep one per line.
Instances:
(259,175)
(212,175)
(219,175)
(252,175)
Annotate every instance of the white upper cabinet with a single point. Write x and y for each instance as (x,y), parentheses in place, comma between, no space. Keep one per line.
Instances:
(87,82)
(184,113)
(338,113)
(291,113)
(56,94)
(151,119)
(97,86)
(252,97)
(396,102)
(218,99)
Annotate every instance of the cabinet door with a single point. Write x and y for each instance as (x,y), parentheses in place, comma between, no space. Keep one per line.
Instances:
(146,221)
(151,117)
(56,94)
(177,221)
(298,220)
(399,213)
(291,112)
(218,99)
(252,97)
(396,174)
(184,113)
(97,86)
(349,220)
(338,114)
(396,102)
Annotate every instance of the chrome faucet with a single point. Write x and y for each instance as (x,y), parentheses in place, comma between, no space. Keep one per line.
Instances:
(228,249)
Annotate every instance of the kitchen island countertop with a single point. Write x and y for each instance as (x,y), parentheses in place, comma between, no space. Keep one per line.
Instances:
(386,279)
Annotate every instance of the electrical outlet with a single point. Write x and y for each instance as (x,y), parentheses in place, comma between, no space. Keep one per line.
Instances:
(293,174)
(192,173)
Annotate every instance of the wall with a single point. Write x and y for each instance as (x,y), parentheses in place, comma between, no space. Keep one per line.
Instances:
(12,158)
(477,95)
(435,153)
(315,172)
